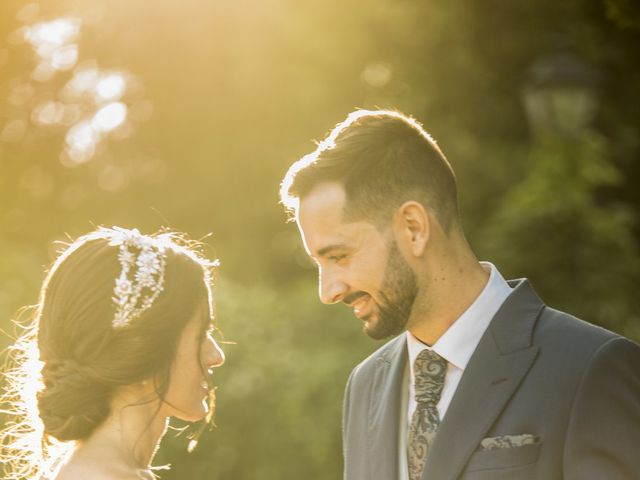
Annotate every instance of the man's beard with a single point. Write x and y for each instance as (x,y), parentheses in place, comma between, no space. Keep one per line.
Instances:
(398,293)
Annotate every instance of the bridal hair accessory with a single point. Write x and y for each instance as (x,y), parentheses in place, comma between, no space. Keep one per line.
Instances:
(142,261)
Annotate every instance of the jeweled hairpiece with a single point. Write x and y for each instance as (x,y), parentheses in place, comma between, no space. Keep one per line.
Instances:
(142,261)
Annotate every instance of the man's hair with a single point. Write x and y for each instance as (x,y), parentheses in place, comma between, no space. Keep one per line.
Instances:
(382,159)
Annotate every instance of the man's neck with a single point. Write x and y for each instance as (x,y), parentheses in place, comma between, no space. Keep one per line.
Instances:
(447,292)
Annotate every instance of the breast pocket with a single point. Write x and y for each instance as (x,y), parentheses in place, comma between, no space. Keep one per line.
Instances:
(503,458)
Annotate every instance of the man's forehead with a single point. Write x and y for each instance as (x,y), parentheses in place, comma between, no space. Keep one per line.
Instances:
(321,210)
(319,217)
(326,198)
(321,221)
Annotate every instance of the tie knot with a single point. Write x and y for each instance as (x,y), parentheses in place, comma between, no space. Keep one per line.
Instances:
(430,369)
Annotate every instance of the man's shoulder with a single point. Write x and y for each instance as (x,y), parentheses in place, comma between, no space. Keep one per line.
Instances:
(569,340)
(553,322)
(386,353)
(548,325)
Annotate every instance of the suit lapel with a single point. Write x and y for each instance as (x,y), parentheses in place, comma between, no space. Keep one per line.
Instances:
(500,362)
(384,409)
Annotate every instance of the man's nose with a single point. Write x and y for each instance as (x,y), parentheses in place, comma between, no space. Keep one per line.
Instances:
(331,288)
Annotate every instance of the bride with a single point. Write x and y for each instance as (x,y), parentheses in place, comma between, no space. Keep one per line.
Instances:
(121,338)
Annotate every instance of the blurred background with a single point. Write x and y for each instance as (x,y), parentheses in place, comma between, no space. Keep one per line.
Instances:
(187,114)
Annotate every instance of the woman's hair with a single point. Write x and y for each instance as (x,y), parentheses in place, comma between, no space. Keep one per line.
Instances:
(83,357)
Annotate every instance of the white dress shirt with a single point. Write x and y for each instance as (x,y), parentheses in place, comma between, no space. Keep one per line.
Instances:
(456,346)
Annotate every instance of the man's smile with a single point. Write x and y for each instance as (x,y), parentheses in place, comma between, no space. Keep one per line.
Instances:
(362,307)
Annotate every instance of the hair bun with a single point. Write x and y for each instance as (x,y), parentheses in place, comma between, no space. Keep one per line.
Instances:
(73,402)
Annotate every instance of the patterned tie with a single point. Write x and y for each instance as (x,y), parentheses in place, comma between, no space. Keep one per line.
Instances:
(430,369)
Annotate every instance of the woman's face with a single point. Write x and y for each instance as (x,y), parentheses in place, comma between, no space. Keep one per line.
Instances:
(196,356)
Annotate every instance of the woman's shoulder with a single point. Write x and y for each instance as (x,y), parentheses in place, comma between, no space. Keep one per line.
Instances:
(83,471)
(78,472)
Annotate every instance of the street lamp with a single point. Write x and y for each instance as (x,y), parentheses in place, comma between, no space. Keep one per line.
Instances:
(560,95)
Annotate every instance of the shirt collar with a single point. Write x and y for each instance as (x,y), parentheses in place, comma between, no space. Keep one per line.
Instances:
(460,340)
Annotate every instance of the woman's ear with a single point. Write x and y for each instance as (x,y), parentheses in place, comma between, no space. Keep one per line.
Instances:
(412,227)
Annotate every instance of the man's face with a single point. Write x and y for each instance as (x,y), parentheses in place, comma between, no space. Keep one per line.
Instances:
(357,264)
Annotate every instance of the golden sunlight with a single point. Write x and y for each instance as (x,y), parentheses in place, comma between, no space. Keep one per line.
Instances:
(92,104)
(54,44)
(109,117)
(110,87)
(81,142)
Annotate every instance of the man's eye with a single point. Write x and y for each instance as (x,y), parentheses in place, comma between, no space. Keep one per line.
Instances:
(337,258)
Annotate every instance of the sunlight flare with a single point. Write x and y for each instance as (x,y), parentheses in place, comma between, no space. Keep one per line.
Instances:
(109,117)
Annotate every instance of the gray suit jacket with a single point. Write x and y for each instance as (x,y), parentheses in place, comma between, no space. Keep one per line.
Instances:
(572,386)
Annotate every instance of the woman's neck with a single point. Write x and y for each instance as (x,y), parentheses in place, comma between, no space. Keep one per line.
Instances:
(128,439)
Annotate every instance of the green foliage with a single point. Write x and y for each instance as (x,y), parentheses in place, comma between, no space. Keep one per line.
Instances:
(553,228)
(625,13)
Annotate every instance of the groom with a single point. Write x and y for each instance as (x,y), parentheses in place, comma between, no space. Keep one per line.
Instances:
(482,379)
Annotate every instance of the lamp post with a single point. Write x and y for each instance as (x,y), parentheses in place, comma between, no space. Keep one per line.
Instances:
(560,95)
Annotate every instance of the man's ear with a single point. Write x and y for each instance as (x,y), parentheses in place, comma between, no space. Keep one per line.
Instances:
(412,226)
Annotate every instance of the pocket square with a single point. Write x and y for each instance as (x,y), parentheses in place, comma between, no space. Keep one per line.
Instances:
(507,441)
